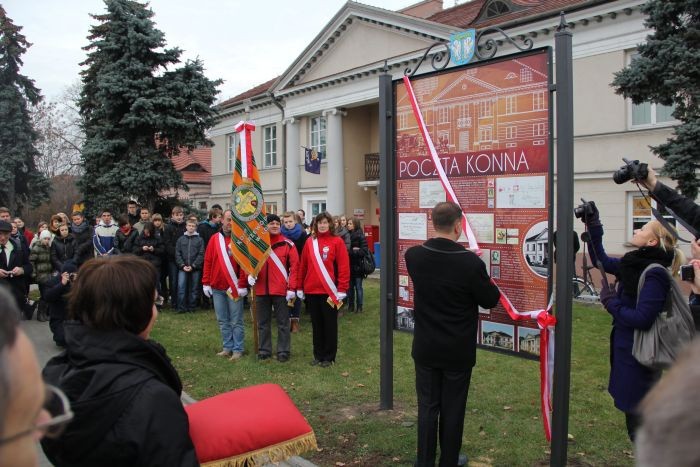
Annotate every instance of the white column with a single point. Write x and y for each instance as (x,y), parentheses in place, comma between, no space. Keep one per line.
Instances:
(293,151)
(335,203)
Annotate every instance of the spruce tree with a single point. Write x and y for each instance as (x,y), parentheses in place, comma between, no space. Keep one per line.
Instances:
(20,183)
(138,110)
(667,71)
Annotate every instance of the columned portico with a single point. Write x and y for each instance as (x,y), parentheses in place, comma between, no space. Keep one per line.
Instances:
(335,203)
(293,149)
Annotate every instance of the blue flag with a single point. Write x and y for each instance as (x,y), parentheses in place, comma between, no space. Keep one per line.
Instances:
(312,160)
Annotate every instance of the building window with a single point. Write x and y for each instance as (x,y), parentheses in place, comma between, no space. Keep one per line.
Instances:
(525,75)
(232,141)
(538,100)
(203,205)
(511,106)
(641,212)
(271,208)
(318,134)
(497,8)
(270,146)
(511,132)
(538,129)
(485,109)
(485,133)
(316,208)
(444,115)
(649,113)
(403,120)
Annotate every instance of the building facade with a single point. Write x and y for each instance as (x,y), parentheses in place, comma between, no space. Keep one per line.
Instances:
(327,99)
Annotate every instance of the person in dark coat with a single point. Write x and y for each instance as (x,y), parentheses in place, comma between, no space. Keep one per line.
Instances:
(125,236)
(629,380)
(450,284)
(123,389)
(55,292)
(189,254)
(82,233)
(15,269)
(62,248)
(206,229)
(150,247)
(358,250)
(172,232)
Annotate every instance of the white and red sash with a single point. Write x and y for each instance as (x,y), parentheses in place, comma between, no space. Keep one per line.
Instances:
(545,320)
(276,260)
(224,259)
(327,282)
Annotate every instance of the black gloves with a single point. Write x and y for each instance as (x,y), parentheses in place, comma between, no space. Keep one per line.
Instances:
(592,215)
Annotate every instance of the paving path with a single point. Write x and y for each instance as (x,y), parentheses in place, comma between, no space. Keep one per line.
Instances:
(40,335)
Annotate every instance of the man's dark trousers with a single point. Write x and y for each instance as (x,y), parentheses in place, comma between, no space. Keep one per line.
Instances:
(442,400)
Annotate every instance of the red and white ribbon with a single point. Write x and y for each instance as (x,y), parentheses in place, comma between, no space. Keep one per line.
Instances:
(245,129)
(545,320)
(321,270)
(473,245)
(225,262)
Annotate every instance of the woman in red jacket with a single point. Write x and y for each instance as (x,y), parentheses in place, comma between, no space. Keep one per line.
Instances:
(324,277)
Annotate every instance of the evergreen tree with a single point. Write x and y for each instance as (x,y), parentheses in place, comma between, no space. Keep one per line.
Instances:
(667,71)
(137,110)
(20,182)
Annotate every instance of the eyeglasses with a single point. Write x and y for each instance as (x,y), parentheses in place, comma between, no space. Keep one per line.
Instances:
(58,407)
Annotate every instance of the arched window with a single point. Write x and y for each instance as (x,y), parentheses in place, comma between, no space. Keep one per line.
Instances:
(497,8)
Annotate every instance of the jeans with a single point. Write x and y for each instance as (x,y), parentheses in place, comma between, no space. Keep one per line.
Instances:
(355,289)
(187,289)
(173,273)
(266,304)
(229,314)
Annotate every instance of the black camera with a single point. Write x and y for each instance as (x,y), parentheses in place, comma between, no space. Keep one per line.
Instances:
(584,210)
(631,170)
(687,273)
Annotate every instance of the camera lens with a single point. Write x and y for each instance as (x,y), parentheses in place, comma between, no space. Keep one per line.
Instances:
(624,174)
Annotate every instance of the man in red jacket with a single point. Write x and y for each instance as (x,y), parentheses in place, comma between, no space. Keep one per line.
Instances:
(274,287)
(225,281)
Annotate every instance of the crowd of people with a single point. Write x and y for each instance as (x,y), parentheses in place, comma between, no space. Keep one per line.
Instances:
(192,273)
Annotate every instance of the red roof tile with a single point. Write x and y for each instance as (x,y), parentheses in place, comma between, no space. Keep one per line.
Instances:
(250,93)
(464,16)
(194,165)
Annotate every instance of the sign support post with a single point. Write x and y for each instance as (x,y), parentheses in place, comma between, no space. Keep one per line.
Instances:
(565,251)
(387,262)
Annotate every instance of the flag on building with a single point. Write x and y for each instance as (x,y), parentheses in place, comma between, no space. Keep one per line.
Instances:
(250,240)
(312,160)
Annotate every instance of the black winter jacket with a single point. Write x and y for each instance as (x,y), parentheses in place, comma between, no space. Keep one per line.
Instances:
(154,257)
(450,284)
(190,251)
(84,250)
(62,249)
(357,240)
(206,231)
(125,243)
(172,232)
(125,394)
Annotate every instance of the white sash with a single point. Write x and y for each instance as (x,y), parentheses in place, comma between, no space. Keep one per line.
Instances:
(321,268)
(276,259)
(225,259)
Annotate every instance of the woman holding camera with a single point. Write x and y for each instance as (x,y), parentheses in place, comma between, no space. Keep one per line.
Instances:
(123,389)
(629,380)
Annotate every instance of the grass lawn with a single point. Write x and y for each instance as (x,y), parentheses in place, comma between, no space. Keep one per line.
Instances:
(503,426)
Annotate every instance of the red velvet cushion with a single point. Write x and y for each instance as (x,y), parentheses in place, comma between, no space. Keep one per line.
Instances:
(248,422)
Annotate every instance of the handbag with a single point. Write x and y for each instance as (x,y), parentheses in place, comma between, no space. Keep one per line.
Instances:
(658,346)
(368,264)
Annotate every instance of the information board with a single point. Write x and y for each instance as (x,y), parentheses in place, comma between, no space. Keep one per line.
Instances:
(490,124)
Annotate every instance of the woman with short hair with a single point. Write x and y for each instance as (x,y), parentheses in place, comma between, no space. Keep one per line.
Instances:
(123,389)
(324,276)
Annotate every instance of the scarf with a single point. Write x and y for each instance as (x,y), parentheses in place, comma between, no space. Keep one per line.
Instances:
(635,262)
(125,229)
(78,229)
(293,233)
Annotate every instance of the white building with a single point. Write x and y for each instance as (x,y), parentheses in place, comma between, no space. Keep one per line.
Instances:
(328,99)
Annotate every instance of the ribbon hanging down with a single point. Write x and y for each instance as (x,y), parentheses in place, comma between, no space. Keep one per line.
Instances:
(245,129)
(545,320)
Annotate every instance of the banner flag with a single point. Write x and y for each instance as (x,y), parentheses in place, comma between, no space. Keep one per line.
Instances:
(312,160)
(250,240)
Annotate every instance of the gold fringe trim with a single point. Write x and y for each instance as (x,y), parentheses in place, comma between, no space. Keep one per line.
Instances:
(269,454)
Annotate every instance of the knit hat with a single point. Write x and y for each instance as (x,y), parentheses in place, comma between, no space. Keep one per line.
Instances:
(45,234)
(273,217)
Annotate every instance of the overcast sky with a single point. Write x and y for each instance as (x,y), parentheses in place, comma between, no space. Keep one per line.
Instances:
(243,42)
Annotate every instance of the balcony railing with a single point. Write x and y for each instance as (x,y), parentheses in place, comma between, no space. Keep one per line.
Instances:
(372,166)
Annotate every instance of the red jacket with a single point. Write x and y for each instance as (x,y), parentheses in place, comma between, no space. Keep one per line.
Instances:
(270,280)
(213,274)
(336,259)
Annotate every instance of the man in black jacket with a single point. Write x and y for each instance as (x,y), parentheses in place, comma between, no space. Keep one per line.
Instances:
(450,283)
(14,268)
(172,232)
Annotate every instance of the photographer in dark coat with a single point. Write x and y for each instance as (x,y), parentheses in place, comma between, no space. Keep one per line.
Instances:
(450,284)
(122,387)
